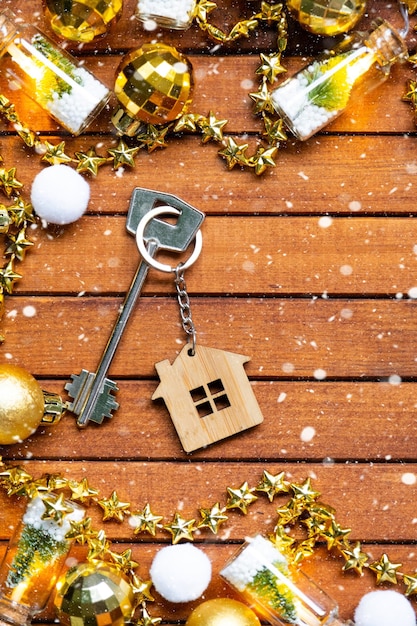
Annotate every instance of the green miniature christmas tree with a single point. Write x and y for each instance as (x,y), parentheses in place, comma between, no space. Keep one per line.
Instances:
(35,545)
(51,83)
(276,594)
(331,92)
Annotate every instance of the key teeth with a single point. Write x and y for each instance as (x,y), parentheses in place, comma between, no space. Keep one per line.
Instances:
(79,388)
(109,404)
(79,385)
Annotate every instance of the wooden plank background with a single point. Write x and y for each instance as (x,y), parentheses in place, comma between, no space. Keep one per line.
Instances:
(309,269)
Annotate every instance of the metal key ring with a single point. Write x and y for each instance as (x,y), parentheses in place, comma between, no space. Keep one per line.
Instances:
(163,267)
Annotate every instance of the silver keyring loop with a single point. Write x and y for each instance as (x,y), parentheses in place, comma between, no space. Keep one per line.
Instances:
(163,267)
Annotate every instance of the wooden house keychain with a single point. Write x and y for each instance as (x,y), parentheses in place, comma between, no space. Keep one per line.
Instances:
(206,390)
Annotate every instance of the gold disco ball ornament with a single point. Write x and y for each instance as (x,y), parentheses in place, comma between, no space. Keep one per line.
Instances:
(327,17)
(153,85)
(82,20)
(94,595)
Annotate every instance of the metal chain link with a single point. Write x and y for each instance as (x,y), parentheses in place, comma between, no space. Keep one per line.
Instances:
(185,307)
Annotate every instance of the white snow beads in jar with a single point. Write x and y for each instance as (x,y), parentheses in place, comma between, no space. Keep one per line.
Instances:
(176,14)
(66,90)
(320,92)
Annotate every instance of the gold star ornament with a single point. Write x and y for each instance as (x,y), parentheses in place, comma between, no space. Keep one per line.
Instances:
(263,158)
(212,518)
(181,528)
(81,490)
(141,589)
(240,498)
(355,559)
(411,584)
(304,491)
(211,128)
(123,155)
(56,508)
(13,478)
(18,244)
(89,161)
(271,66)
(234,153)
(98,546)
(145,521)
(113,508)
(386,572)
(8,181)
(55,154)
(80,531)
(273,485)
(123,561)
(335,535)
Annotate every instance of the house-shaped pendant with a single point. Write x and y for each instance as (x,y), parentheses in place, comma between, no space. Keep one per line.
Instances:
(208,395)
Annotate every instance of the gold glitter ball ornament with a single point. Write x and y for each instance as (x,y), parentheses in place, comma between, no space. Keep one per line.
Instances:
(222,612)
(153,85)
(94,595)
(21,404)
(327,17)
(82,20)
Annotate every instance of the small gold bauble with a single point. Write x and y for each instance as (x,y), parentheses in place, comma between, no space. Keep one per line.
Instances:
(94,595)
(153,84)
(21,404)
(222,612)
(82,20)
(327,17)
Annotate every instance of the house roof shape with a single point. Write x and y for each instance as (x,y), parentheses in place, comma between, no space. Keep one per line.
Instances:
(208,395)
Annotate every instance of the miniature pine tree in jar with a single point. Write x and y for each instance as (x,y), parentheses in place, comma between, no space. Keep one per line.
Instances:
(35,557)
(67,91)
(278,592)
(320,92)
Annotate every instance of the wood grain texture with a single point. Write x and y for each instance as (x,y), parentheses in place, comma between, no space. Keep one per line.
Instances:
(309,269)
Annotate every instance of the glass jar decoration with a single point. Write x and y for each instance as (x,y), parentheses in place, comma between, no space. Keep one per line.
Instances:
(280,594)
(35,557)
(327,17)
(176,14)
(82,20)
(153,85)
(67,91)
(320,92)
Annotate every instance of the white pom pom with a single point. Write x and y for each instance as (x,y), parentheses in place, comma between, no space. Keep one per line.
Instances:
(181,572)
(59,194)
(384,608)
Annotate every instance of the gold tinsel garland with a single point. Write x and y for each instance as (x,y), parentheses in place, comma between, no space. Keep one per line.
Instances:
(301,510)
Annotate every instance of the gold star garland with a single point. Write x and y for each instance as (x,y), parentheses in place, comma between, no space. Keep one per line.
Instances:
(15,218)
(302,509)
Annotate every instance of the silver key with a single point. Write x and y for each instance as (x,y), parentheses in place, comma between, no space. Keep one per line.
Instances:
(92,393)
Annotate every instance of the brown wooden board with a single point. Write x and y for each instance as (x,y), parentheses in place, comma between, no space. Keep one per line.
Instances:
(309,269)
